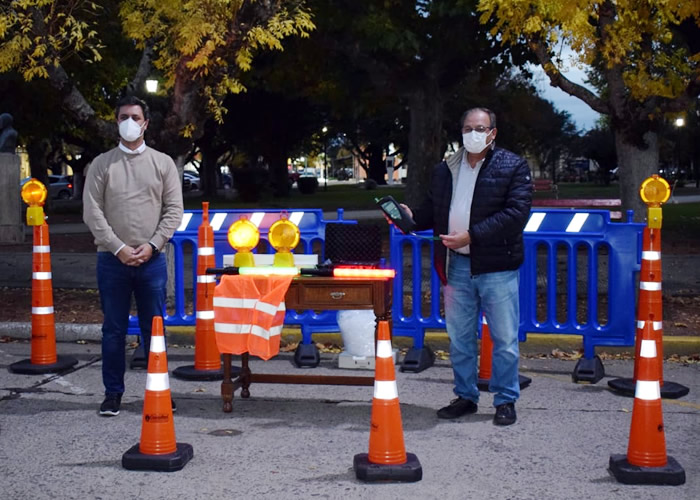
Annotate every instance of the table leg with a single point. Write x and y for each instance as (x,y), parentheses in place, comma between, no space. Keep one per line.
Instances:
(245,376)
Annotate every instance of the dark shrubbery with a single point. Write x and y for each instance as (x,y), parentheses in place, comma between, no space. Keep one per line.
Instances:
(307,185)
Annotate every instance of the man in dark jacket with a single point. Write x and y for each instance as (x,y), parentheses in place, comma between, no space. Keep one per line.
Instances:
(479,202)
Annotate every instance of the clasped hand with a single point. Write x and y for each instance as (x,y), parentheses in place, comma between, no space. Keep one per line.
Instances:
(131,256)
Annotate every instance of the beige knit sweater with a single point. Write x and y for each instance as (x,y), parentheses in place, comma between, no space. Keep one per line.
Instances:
(132,199)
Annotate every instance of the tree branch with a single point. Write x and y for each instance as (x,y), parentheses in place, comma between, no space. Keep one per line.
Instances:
(559,80)
(143,71)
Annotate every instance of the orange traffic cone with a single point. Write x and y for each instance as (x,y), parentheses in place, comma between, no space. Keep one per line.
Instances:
(387,459)
(485,356)
(43,356)
(486,360)
(650,306)
(207,359)
(157,449)
(646,461)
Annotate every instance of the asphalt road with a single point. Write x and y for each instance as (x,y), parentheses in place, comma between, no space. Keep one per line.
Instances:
(298,441)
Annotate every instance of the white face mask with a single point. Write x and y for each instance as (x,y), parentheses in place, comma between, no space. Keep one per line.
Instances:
(475,142)
(129,130)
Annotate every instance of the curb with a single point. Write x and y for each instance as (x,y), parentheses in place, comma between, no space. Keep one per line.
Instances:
(436,339)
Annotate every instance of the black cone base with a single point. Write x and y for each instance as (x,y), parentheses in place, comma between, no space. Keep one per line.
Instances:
(191,373)
(307,356)
(135,460)
(26,366)
(483,383)
(672,473)
(627,386)
(409,472)
(588,370)
(417,360)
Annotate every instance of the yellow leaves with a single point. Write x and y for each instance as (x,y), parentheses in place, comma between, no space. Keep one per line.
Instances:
(633,36)
(37,34)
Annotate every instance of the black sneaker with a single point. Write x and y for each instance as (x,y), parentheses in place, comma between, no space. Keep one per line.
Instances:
(173,405)
(110,406)
(457,408)
(505,414)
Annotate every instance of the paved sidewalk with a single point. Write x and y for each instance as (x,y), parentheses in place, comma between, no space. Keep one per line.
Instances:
(298,441)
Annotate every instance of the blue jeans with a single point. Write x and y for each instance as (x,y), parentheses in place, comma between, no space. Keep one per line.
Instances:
(497,294)
(116,283)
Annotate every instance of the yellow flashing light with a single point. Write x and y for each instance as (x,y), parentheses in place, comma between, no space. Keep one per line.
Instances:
(352,272)
(655,191)
(243,236)
(284,237)
(34,194)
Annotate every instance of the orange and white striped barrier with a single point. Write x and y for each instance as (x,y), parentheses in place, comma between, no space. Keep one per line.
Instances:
(387,459)
(157,449)
(43,343)
(646,461)
(207,359)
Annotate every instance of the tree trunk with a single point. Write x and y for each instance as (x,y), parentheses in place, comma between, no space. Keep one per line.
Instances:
(424,140)
(277,162)
(377,168)
(636,164)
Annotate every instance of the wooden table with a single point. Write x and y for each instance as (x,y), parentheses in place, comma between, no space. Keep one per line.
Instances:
(316,293)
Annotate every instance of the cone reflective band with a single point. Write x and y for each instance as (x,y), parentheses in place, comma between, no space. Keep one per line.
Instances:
(649,330)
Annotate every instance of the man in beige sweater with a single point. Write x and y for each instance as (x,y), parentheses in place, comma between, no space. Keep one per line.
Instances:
(132,204)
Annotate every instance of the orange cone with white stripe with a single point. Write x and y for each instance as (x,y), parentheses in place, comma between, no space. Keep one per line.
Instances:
(43,344)
(486,360)
(646,461)
(649,317)
(485,356)
(387,459)
(157,449)
(207,359)
(650,295)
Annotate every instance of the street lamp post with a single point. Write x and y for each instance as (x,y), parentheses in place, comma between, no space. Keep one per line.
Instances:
(325,158)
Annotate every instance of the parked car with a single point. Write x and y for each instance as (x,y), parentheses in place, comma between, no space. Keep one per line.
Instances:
(60,186)
(190,181)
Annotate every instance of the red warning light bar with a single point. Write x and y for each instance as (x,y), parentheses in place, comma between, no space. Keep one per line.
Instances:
(354,272)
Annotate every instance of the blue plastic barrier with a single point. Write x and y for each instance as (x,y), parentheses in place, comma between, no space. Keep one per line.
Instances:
(312,228)
(581,242)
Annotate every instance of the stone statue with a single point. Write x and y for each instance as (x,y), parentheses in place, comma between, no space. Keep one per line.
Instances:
(8,135)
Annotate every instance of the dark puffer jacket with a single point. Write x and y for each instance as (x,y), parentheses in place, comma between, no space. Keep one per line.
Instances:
(500,209)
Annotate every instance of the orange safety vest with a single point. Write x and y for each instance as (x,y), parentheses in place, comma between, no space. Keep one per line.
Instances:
(249,314)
